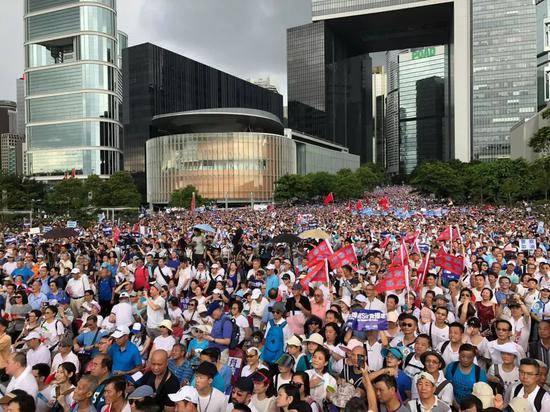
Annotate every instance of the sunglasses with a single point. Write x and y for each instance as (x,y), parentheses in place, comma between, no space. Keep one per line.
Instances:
(409,325)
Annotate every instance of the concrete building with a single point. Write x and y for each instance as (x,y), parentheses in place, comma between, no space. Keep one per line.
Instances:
(521,134)
(20,87)
(12,153)
(73,88)
(8,116)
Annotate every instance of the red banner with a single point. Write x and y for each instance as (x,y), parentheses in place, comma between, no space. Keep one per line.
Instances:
(446,234)
(317,273)
(393,280)
(320,252)
(328,199)
(343,256)
(385,242)
(454,264)
(384,203)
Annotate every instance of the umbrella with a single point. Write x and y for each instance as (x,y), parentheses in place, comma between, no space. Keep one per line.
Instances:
(314,234)
(288,238)
(204,227)
(60,232)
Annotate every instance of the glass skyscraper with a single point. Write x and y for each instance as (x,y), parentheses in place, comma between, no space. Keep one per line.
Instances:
(73,87)
(504,64)
(422,103)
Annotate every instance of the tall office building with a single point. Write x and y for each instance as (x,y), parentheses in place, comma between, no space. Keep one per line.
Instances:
(73,88)
(20,87)
(422,103)
(158,81)
(8,116)
(504,66)
(329,88)
(543,53)
(391,122)
(492,62)
(379,93)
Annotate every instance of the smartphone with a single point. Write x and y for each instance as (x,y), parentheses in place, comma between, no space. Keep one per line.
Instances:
(361,361)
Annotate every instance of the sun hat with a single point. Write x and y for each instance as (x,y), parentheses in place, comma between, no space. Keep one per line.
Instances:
(484,393)
(167,323)
(186,393)
(315,338)
(285,360)
(433,353)
(520,404)
(294,341)
(396,352)
(256,293)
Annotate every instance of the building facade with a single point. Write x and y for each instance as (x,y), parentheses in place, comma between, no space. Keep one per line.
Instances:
(158,81)
(8,116)
(12,153)
(504,68)
(379,94)
(422,106)
(73,88)
(329,88)
(543,53)
(20,87)
(391,121)
(230,154)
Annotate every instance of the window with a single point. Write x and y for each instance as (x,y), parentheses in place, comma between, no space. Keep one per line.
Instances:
(546,34)
(547,83)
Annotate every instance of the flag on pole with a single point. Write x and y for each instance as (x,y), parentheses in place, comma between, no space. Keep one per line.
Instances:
(454,264)
(328,199)
(193,203)
(343,256)
(385,242)
(315,273)
(401,258)
(73,173)
(411,237)
(447,234)
(384,203)
(394,279)
(359,205)
(322,251)
(422,272)
(116,234)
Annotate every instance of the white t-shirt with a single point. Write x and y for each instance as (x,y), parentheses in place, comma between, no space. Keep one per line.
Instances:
(164,343)
(154,317)
(123,313)
(51,332)
(438,335)
(545,404)
(42,398)
(215,402)
(509,378)
(71,357)
(242,323)
(25,382)
(76,287)
(39,355)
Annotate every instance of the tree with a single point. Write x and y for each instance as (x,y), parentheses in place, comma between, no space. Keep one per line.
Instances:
(540,141)
(440,179)
(291,187)
(320,183)
(348,186)
(122,190)
(182,197)
(368,177)
(540,170)
(66,197)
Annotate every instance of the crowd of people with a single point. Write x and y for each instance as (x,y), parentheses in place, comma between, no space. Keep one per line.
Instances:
(207,312)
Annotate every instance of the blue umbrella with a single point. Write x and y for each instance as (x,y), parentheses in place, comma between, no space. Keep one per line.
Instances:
(204,227)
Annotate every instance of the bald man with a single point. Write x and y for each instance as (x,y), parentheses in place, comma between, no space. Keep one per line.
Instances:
(162,381)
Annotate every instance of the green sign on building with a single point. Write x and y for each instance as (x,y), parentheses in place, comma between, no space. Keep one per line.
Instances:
(423,53)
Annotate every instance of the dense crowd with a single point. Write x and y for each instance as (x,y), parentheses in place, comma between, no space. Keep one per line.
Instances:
(219,311)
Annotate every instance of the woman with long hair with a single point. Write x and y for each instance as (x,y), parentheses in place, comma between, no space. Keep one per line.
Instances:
(64,385)
(486,309)
(286,395)
(319,378)
(18,309)
(263,398)
(301,380)
(332,343)
(466,309)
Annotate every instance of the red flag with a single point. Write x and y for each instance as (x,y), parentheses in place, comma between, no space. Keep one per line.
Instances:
(73,173)
(401,258)
(394,279)
(135,228)
(359,205)
(422,271)
(384,203)
(446,234)
(385,242)
(343,256)
(328,199)
(317,254)
(349,207)
(316,273)
(193,203)
(454,264)
(411,237)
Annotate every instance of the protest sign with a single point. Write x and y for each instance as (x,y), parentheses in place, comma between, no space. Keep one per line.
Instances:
(72,224)
(365,320)
(34,231)
(527,244)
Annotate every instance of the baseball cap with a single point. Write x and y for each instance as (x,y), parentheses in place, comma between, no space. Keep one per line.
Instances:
(213,306)
(427,376)
(270,267)
(120,331)
(297,286)
(136,327)
(396,352)
(31,335)
(124,295)
(75,270)
(361,298)
(141,392)
(186,393)
(285,360)
(278,307)
(520,404)
(256,293)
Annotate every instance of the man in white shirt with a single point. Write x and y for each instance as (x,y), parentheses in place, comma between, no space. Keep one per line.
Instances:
(76,286)
(373,303)
(155,310)
(162,273)
(38,352)
(184,275)
(529,388)
(123,311)
(438,331)
(430,285)
(257,308)
(10,265)
(21,375)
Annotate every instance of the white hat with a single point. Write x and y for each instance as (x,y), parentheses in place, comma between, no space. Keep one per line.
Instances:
(353,343)
(32,335)
(253,349)
(315,338)
(136,327)
(346,300)
(215,266)
(124,295)
(427,376)
(294,341)
(270,266)
(75,270)
(120,331)
(123,265)
(361,298)
(204,328)
(187,393)
(217,292)
(256,293)
(202,308)
(392,316)
(167,323)
(520,404)
(484,393)
(508,347)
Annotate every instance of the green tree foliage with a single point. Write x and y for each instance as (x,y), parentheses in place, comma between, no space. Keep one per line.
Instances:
(182,197)
(540,141)
(20,192)
(345,184)
(540,169)
(440,179)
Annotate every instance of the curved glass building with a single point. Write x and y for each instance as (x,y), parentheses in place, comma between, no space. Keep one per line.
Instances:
(73,87)
(233,154)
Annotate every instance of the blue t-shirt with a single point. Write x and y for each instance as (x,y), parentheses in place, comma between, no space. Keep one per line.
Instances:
(125,360)
(403,384)
(195,344)
(463,384)
(272,282)
(89,338)
(25,272)
(221,329)
(105,288)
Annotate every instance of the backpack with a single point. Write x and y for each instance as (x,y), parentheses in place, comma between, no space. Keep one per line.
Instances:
(477,370)
(441,386)
(538,397)
(444,346)
(408,360)
(274,342)
(235,334)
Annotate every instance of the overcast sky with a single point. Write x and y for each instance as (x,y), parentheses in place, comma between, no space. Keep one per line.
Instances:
(246,38)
